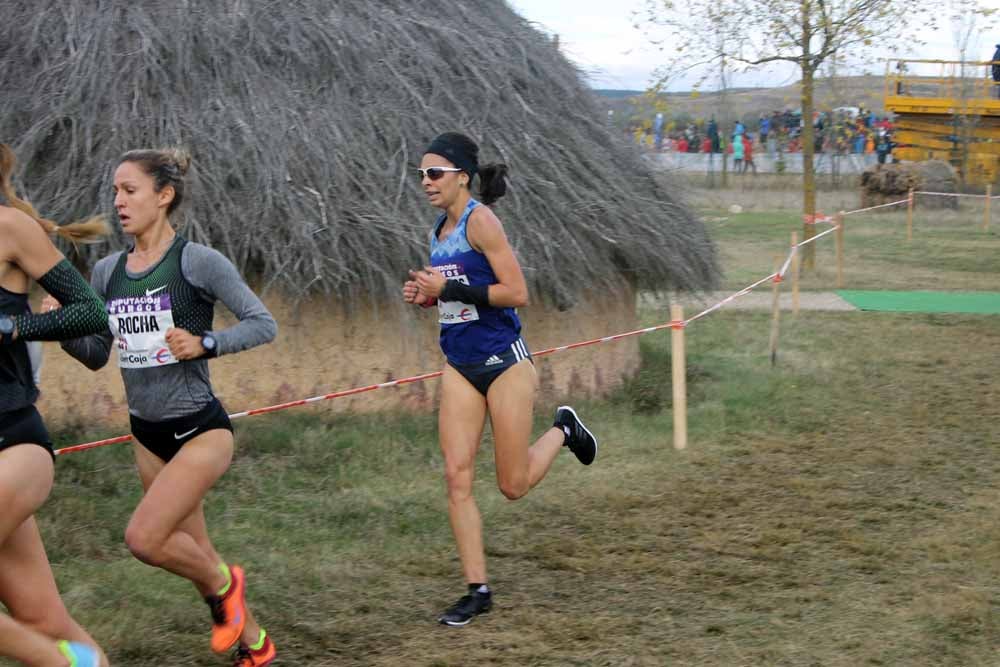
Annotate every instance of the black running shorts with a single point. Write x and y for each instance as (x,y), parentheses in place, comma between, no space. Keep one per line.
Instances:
(22,427)
(482,375)
(166,438)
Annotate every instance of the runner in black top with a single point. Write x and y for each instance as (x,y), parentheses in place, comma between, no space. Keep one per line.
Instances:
(39,630)
(160,295)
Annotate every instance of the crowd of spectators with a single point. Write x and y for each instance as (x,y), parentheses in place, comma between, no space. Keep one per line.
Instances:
(837,131)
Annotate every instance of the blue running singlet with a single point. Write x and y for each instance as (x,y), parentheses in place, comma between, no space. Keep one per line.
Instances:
(469,333)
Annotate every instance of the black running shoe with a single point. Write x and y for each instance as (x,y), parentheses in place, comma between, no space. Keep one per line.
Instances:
(467,608)
(579,439)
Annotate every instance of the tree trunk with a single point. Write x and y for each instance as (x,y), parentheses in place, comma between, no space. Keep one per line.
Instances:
(808,141)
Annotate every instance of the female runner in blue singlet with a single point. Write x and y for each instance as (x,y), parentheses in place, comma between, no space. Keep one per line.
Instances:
(38,629)
(476,282)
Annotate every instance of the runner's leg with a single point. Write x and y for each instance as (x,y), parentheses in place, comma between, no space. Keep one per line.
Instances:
(27,587)
(511,400)
(177,489)
(460,425)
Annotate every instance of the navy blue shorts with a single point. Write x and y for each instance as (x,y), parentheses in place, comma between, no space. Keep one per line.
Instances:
(22,427)
(482,374)
(166,438)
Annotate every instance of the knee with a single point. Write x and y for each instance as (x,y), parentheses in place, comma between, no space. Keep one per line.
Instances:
(512,489)
(143,544)
(458,479)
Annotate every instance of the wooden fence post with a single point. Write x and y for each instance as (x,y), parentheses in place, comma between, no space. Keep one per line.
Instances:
(986,211)
(775,311)
(795,274)
(678,366)
(909,216)
(839,221)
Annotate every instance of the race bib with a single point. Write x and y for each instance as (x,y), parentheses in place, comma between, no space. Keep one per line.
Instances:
(455,312)
(140,324)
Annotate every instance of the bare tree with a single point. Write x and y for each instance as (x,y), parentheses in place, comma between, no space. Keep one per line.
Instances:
(805,33)
(969,20)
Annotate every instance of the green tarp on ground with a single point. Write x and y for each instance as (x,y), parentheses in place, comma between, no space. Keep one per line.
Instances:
(986,303)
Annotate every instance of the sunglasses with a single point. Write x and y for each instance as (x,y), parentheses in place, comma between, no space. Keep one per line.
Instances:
(435,173)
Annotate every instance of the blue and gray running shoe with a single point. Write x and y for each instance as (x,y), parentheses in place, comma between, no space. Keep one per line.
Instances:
(80,655)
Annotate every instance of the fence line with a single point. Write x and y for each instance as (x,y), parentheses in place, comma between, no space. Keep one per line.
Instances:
(872,208)
(676,324)
(952,194)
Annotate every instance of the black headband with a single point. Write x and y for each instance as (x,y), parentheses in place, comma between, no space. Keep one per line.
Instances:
(459,150)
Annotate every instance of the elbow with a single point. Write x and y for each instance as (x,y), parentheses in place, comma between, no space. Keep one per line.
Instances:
(270,331)
(265,330)
(94,357)
(93,361)
(95,364)
(521,299)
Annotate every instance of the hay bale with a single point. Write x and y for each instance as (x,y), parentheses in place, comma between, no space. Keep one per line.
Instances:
(885,183)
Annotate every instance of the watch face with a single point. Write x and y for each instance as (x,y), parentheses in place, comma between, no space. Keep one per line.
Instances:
(6,324)
(208,342)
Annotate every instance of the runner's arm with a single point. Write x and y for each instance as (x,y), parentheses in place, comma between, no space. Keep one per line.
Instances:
(30,248)
(94,351)
(212,273)
(486,234)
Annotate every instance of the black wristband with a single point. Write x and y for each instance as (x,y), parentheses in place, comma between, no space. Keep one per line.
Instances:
(459,291)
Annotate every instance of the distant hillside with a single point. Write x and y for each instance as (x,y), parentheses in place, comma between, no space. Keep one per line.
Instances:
(747,103)
(617,94)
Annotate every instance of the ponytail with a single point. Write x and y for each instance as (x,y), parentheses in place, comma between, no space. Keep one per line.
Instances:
(492,182)
(87,231)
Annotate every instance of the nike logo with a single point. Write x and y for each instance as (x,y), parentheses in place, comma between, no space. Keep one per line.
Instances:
(184,435)
(151,292)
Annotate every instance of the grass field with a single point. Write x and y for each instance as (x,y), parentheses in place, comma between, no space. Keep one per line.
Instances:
(949,250)
(841,509)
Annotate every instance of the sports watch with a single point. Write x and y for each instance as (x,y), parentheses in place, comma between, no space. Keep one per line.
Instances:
(210,344)
(6,329)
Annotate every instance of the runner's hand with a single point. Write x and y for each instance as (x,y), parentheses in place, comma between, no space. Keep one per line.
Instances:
(184,345)
(50,303)
(411,293)
(430,281)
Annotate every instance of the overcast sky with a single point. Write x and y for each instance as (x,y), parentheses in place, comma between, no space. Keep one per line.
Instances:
(599,35)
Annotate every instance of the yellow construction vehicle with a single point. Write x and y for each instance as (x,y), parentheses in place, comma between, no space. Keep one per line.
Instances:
(946,110)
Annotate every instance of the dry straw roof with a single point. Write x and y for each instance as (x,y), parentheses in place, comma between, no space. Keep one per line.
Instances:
(306,118)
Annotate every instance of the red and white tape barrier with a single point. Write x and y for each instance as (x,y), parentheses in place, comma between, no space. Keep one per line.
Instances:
(777,276)
(950,194)
(872,208)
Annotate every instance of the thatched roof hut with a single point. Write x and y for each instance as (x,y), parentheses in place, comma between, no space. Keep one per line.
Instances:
(306,119)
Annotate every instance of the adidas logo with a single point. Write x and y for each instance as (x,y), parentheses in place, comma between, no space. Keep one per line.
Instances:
(493,361)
